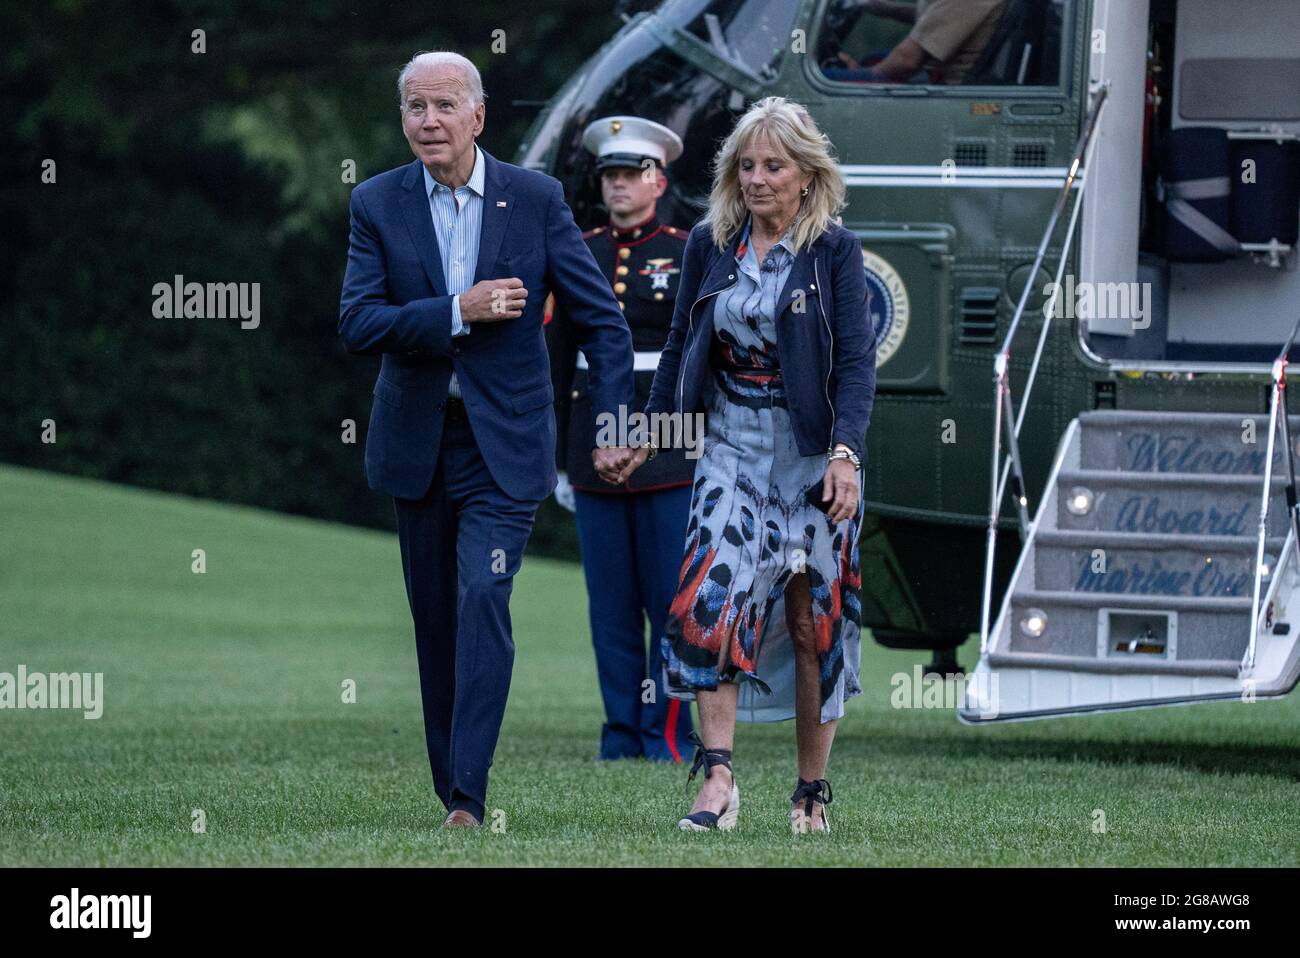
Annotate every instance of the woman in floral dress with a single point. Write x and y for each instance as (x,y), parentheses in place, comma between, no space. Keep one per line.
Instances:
(772,341)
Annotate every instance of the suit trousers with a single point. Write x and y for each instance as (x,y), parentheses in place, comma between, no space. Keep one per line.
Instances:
(462,544)
(631,555)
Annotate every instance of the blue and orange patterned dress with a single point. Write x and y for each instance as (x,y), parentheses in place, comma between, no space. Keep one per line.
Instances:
(751,529)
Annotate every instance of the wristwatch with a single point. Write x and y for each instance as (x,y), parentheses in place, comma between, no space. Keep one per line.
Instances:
(652,447)
(844,452)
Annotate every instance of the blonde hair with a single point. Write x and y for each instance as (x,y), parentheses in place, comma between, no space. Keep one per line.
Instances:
(792,132)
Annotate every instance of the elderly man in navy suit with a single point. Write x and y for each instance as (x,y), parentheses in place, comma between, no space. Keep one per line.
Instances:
(449,263)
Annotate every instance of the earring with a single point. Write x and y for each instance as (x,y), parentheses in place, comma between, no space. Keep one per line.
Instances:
(804,191)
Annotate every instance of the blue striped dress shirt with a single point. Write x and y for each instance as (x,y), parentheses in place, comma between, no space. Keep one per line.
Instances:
(458,221)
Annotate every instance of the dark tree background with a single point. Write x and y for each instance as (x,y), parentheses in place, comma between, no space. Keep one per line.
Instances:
(222,166)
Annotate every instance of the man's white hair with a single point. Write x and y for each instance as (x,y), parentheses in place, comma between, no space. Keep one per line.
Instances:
(438,58)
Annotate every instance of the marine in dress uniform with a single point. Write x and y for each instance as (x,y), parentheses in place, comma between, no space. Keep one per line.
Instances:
(630,535)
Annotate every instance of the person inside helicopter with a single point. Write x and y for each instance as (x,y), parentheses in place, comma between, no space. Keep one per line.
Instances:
(946,40)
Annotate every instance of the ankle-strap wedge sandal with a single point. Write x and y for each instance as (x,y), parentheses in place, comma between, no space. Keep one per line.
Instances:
(709,759)
(817,792)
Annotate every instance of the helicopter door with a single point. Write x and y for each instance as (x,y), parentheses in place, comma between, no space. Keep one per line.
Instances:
(1201,217)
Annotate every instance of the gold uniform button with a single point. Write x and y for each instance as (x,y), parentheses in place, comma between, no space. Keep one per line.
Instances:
(620,288)
(659,295)
(622,271)
(636,233)
(624,253)
(575,394)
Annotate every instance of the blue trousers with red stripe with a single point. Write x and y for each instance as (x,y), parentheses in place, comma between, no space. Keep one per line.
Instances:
(632,554)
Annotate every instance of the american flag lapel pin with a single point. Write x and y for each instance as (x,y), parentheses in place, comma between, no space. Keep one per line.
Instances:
(501,202)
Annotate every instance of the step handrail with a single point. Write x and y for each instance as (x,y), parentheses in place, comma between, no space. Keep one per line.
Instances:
(1002,404)
(1277,409)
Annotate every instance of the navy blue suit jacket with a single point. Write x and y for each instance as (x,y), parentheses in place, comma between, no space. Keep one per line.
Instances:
(395,304)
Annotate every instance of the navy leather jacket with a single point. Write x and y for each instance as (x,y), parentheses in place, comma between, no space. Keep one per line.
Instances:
(827,352)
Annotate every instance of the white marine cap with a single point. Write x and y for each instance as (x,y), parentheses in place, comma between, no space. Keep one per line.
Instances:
(629,140)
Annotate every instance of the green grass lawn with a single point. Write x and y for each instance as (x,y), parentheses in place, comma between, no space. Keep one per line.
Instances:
(223,693)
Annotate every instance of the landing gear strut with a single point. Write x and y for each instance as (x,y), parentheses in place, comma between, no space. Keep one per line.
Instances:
(945,663)
(942,644)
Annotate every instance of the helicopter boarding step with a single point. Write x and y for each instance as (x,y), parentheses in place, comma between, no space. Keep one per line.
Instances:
(1134,587)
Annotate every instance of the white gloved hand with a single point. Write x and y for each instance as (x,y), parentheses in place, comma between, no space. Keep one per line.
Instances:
(564,493)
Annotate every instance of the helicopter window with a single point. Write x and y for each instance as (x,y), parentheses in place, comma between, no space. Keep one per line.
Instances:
(750,33)
(943,42)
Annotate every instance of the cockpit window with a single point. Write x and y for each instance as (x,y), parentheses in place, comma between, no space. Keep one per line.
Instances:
(750,33)
(943,42)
